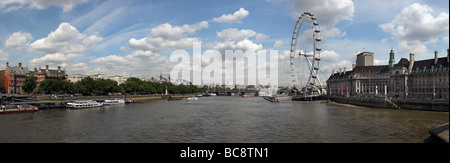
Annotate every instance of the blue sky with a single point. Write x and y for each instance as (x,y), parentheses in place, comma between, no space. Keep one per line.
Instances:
(136,37)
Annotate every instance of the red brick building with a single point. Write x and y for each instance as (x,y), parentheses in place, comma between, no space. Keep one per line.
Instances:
(42,74)
(14,76)
(2,81)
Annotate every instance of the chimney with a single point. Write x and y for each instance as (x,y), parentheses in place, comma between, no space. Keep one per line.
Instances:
(7,64)
(20,65)
(436,57)
(46,67)
(35,69)
(345,70)
(411,62)
(59,68)
(340,71)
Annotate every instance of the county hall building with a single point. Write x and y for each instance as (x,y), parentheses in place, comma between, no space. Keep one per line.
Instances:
(406,79)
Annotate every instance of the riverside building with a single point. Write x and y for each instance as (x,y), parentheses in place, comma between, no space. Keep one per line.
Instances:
(407,79)
(13,77)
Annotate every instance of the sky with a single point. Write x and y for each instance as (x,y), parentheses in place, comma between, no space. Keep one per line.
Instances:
(137,37)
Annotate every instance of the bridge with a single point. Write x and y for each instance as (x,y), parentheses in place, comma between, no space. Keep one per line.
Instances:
(236,92)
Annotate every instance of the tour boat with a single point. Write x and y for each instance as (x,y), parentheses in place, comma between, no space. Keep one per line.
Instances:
(192,99)
(132,101)
(208,94)
(17,108)
(114,101)
(84,104)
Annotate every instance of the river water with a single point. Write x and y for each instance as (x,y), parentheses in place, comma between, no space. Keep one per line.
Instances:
(221,119)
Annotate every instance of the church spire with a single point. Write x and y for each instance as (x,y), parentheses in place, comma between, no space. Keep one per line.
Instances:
(391,58)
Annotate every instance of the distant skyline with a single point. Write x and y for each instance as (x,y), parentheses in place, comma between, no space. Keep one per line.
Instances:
(136,37)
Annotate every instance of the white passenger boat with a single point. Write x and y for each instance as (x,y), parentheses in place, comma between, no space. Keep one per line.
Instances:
(114,101)
(18,108)
(192,99)
(84,104)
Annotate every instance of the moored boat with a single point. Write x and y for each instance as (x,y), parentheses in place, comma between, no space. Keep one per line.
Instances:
(132,101)
(192,99)
(114,101)
(208,94)
(84,104)
(17,108)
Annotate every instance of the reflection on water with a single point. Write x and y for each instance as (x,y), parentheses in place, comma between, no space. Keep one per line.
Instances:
(220,119)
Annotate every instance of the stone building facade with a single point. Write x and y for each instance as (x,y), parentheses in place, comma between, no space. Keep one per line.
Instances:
(410,79)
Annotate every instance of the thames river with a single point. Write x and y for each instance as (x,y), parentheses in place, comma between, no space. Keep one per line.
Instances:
(221,119)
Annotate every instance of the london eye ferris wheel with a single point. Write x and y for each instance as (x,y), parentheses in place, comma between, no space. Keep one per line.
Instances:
(308,52)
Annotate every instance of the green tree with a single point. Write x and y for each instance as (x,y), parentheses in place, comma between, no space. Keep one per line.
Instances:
(67,87)
(85,86)
(105,86)
(58,86)
(29,84)
(137,86)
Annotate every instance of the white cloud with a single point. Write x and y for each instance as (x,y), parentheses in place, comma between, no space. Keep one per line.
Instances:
(445,39)
(166,36)
(328,69)
(78,68)
(236,17)
(415,46)
(243,45)
(18,40)
(3,55)
(65,39)
(66,5)
(63,46)
(144,60)
(105,22)
(111,61)
(91,41)
(279,43)
(140,63)
(54,59)
(328,12)
(234,34)
(414,27)
(329,55)
(261,36)
(234,39)
(380,62)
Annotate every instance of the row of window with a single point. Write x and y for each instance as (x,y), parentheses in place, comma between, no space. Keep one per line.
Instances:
(432,69)
(429,90)
(430,81)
